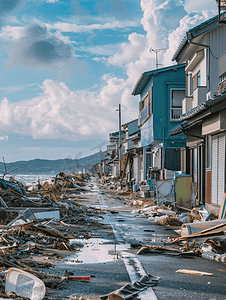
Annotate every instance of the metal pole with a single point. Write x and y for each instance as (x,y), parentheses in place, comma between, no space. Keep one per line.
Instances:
(100,163)
(219,11)
(119,146)
(156,58)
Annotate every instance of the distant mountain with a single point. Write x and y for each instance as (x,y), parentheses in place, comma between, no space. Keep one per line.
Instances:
(44,166)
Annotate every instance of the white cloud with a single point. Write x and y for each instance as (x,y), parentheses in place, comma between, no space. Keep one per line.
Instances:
(60,113)
(4,138)
(200,6)
(108,49)
(68,27)
(11,32)
(175,37)
(52,1)
(17,88)
(103,59)
(129,51)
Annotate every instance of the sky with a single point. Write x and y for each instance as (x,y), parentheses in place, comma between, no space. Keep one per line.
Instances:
(65,66)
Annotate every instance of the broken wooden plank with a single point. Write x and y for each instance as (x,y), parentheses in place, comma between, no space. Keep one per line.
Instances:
(193,272)
(223,208)
(200,235)
(51,231)
(213,228)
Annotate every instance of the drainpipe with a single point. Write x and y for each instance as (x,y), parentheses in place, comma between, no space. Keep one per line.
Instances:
(163,140)
(189,38)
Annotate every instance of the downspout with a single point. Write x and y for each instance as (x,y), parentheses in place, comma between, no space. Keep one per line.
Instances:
(163,140)
(189,38)
(219,11)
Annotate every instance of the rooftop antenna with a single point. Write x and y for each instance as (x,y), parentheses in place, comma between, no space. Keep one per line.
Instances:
(156,51)
(221,7)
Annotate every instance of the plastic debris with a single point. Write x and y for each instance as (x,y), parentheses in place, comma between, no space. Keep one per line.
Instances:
(25,284)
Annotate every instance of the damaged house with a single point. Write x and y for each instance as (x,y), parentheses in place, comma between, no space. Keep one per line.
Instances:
(203,118)
(113,152)
(129,163)
(161,93)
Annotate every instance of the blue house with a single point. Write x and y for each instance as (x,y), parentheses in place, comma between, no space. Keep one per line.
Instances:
(161,93)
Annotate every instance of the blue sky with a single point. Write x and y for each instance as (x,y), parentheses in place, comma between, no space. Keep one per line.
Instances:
(66,65)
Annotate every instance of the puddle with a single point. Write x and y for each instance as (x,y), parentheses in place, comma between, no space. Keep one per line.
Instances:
(96,251)
(90,193)
(98,206)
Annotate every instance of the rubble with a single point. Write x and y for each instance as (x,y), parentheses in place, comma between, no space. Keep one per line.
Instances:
(46,221)
(43,220)
(131,290)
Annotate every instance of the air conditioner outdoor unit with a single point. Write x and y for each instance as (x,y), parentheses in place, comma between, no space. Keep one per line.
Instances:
(154,169)
(210,95)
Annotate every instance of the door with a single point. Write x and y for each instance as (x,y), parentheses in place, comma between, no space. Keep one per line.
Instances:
(148,162)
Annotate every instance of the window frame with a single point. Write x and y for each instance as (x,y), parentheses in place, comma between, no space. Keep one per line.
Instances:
(171,104)
(146,102)
(196,80)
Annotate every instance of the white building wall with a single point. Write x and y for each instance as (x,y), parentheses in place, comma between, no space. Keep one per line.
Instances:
(135,169)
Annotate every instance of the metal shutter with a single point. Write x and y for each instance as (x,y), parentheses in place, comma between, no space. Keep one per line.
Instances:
(218,168)
(172,159)
(221,169)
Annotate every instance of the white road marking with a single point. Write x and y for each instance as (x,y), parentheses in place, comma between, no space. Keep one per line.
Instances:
(132,263)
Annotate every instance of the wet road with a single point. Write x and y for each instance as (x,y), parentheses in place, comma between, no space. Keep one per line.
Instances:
(112,264)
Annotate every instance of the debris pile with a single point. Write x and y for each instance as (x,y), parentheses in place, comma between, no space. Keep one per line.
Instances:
(198,233)
(40,224)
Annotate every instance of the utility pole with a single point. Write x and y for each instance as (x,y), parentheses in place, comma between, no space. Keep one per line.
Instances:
(100,163)
(119,142)
(156,51)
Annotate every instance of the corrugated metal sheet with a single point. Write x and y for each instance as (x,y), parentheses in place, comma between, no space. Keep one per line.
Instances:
(221,169)
(214,160)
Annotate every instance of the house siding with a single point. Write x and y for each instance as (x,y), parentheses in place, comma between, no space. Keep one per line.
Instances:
(217,42)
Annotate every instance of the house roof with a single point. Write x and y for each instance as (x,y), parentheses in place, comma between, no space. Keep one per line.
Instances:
(126,124)
(197,113)
(194,33)
(146,76)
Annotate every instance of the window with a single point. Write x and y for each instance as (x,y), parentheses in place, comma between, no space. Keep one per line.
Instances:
(222,78)
(176,104)
(145,107)
(197,80)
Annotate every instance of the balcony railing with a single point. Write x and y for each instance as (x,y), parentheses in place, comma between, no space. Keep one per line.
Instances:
(199,95)
(143,115)
(175,114)
(187,104)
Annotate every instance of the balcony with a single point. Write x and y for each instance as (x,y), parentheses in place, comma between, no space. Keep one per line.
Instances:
(143,115)
(175,114)
(187,104)
(199,95)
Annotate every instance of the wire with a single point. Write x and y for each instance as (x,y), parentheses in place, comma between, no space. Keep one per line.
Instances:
(212,54)
(127,114)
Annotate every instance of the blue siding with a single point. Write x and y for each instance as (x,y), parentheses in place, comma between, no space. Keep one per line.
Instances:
(146,89)
(162,83)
